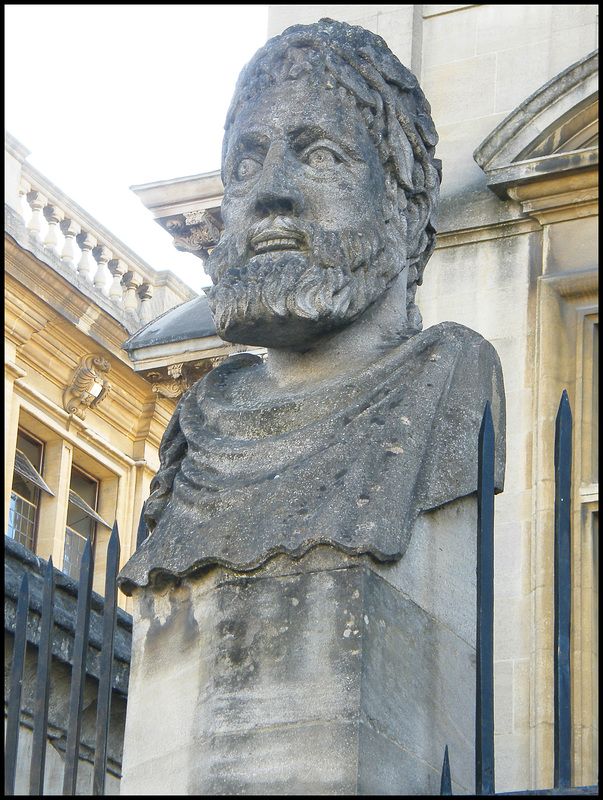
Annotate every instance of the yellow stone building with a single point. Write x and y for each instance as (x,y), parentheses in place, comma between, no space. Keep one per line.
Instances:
(82,428)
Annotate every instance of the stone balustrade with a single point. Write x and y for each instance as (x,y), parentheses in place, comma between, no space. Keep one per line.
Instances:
(69,234)
(75,243)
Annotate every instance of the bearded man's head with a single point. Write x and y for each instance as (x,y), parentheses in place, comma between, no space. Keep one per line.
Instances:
(331,187)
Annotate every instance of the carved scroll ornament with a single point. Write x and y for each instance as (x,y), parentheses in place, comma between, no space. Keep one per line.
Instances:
(197,233)
(88,386)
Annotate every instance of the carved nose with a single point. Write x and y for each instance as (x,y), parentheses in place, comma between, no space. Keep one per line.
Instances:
(277,191)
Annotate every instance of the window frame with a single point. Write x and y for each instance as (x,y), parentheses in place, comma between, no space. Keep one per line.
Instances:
(93,536)
(24,433)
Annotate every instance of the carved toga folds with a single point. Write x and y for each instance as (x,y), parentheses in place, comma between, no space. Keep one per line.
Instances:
(351,464)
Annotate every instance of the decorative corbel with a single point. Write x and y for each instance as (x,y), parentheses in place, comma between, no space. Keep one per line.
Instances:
(195,232)
(88,386)
(173,385)
(174,380)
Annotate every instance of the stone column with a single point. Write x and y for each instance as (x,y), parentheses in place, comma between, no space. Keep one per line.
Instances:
(57,474)
(327,674)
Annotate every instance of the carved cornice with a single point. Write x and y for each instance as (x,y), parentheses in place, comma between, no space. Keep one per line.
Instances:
(172,381)
(520,135)
(195,232)
(14,370)
(88,386)
(575,284)
(559,198)
(552,134)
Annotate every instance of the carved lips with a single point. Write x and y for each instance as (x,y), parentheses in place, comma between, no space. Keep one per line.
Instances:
(264,239)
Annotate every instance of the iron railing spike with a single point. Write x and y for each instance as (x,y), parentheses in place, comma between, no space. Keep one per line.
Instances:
(446,783)
(143,531)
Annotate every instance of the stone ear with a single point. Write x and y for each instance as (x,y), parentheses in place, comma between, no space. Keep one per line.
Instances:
(391,206)
(417,213)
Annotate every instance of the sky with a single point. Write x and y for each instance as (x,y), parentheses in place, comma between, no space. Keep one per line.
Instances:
(110,96)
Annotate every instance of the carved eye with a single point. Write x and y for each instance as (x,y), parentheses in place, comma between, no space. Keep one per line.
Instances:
(247,168)
(321,158)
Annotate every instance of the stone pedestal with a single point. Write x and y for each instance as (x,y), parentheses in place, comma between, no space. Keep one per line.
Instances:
(327,674)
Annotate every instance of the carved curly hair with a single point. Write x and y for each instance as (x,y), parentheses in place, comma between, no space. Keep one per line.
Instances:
(391,103)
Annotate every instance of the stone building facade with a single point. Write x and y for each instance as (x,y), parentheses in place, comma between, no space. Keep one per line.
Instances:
(82,428)
(513,91)
(82,432)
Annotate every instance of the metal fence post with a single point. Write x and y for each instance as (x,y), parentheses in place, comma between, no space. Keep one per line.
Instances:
(484,712)
(78,671)
(562,773)
(103,708)
(40,723)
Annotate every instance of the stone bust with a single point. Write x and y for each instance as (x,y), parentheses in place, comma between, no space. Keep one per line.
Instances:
(358,421)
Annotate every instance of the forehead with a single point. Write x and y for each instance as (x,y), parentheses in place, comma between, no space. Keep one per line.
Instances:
(292,106)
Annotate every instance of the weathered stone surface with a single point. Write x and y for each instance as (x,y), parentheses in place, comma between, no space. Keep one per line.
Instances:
(351,464)
(358,421)
(308,676)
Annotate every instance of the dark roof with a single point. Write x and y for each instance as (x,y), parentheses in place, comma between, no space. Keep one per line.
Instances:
(190,320)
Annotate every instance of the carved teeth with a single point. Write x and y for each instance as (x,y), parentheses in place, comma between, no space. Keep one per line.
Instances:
(276,244)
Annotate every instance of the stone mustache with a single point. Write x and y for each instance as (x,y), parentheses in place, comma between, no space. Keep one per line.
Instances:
(358,421)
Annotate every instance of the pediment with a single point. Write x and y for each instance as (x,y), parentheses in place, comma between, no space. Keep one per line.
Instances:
(554,130)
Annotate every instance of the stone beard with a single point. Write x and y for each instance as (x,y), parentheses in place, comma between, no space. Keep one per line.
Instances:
(358,422)
(327,281)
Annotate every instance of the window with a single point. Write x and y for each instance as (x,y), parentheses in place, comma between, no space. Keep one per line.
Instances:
(26,488)
(82,519)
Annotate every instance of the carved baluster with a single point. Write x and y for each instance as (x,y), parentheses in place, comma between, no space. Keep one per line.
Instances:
(145,293)
(36,201)
(70,230)
(102,255)
(86,243)
(118,269)
(131,280)
(54,216)
(24,189)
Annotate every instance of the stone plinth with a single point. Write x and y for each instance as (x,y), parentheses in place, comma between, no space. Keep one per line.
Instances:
(323,675)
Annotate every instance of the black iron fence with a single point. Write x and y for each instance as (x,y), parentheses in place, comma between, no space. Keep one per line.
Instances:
(484,717)
(78,676)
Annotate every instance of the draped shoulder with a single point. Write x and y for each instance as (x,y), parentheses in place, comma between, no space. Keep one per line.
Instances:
(351,463)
